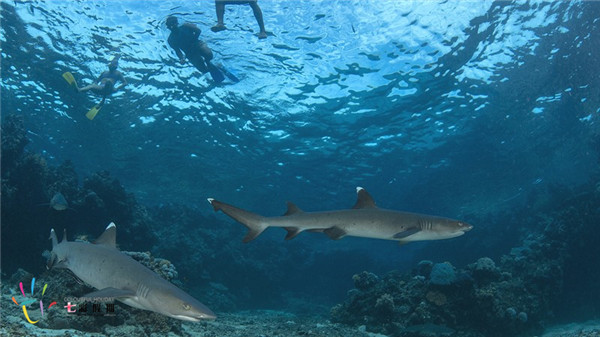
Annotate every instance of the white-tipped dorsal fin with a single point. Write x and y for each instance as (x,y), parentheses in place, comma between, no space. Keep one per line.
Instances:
(53,238)
(109,237)
(364,199)
(292,209)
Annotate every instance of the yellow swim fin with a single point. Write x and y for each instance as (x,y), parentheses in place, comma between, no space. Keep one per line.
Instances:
(69,78)
(93,111)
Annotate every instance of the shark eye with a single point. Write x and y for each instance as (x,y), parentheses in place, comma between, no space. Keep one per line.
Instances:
(186,306)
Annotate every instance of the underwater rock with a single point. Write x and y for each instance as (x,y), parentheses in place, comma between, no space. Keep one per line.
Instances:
(522,317)
(436,297)
(424,268)
(484,270)
(14,140)
(162,267)
(511,313)
(428,330)
(385,306)
(442,274)
(365,280)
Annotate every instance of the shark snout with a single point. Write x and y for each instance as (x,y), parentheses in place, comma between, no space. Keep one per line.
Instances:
(465,227)
(206,314)
(184,307)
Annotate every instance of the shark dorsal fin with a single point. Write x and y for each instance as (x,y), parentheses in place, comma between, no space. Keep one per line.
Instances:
(109,237)
(64,235)
(53,238)
(364,199)
(292,209)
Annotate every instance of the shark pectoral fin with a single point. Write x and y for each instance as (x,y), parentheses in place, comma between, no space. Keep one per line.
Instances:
(111,292)
(54,263)
(292,232)
(406,233)
(335,233)
(59,264)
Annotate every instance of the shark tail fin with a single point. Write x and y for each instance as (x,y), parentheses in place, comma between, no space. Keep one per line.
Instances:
(254,222)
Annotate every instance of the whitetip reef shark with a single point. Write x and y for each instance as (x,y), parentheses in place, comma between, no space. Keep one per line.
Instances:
(58,202)
(117,275)
(365,219)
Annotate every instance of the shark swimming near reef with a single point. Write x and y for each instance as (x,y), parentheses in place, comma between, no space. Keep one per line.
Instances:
(58,202)
(365,219)
(117,275)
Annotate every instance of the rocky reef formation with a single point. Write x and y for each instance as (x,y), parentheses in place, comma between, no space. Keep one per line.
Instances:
(515,296)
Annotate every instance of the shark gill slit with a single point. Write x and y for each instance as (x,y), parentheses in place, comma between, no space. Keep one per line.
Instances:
(142,290)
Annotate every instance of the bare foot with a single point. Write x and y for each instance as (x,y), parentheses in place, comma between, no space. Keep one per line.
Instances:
(218,27)
(262,35)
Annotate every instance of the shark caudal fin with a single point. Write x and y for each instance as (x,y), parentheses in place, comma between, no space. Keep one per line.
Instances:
(254,222)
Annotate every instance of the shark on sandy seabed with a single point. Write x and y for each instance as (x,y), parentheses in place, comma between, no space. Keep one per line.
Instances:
(365,219)
(119,276)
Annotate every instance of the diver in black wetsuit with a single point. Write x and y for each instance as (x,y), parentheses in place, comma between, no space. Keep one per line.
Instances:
(105,83)
(184,39)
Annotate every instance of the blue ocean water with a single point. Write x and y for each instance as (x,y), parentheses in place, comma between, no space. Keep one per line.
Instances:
(477,110)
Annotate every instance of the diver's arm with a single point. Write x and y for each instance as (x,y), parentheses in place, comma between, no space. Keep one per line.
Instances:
(177,51)
(101,77)
(123,82)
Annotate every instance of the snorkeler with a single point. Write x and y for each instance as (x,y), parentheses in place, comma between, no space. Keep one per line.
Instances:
(104,85)
(184,40)
(220,7)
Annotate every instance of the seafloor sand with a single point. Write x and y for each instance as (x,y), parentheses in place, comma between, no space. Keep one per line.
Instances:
(133,322)
(257,323)
(585,329)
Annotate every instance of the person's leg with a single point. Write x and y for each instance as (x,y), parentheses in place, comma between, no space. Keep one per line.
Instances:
(220,8)
(199,63)
(259,19)
(94,87)
(205,52)
(99,105)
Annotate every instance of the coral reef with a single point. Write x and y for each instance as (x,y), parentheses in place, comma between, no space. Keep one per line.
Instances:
(162,267)
(442,274)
